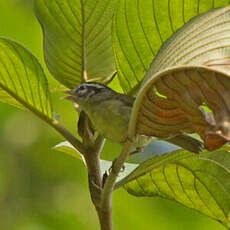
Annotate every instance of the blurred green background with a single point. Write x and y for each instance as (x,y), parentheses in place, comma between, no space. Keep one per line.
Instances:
(41,189)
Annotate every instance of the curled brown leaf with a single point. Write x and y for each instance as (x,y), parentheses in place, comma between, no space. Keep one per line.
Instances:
(186,99)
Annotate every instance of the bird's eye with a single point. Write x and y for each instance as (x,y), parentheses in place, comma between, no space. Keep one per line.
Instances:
(82,90)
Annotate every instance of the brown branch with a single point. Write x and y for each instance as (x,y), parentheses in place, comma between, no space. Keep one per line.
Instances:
(106,199)
(101,197)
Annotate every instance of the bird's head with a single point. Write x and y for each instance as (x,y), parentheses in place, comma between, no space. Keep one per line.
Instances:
(90,92)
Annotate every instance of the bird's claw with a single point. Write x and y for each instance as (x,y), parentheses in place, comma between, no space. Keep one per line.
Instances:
(138,150)
(112,168)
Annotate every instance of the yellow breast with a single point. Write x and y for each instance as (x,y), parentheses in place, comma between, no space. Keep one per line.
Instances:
(111,120)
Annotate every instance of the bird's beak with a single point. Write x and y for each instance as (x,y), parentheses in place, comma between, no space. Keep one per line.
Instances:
(70,97)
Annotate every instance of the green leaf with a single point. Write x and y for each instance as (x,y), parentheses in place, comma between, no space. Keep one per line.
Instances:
(141,27)
(202,41)
(200,182)
(22,81)
(77,39)
(67,148)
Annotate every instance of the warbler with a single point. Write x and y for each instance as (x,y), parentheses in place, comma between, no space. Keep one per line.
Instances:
(109,112)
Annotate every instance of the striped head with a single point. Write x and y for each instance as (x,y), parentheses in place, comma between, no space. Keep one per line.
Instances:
(87,92)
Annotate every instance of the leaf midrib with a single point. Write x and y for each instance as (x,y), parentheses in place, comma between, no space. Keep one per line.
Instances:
(27,105)
(84,71)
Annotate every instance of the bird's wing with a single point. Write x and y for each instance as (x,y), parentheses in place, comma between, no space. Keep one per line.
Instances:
(128,101)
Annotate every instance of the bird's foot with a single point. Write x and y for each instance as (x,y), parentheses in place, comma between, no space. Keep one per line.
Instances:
(112,168)
(138,150)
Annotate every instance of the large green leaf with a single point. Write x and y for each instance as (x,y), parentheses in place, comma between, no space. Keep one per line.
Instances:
(200,182)
(201,41)
(141,27)
(191,70)
(77,39)
(22,80)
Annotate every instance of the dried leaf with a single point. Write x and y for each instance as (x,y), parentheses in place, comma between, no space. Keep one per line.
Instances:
(171,103)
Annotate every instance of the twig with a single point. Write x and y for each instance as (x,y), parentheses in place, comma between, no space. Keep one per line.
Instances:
(106,199)
(92,158)
(99,144)
(101,197)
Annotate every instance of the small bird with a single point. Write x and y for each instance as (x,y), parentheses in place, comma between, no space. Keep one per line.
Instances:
(109,112)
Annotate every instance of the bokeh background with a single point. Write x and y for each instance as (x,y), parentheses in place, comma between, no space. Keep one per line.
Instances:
(41,189)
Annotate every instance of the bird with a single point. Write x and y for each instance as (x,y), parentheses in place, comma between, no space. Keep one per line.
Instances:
(109,113)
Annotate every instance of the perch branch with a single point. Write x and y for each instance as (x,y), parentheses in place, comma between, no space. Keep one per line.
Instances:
(106,199)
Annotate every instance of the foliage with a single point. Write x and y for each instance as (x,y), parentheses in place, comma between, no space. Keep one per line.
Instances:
(172,72)
(199,181)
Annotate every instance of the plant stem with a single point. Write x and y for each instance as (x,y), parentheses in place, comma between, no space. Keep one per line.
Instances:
(106,199)
(94,176)
(92,158)
(101,197)
(105,217)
